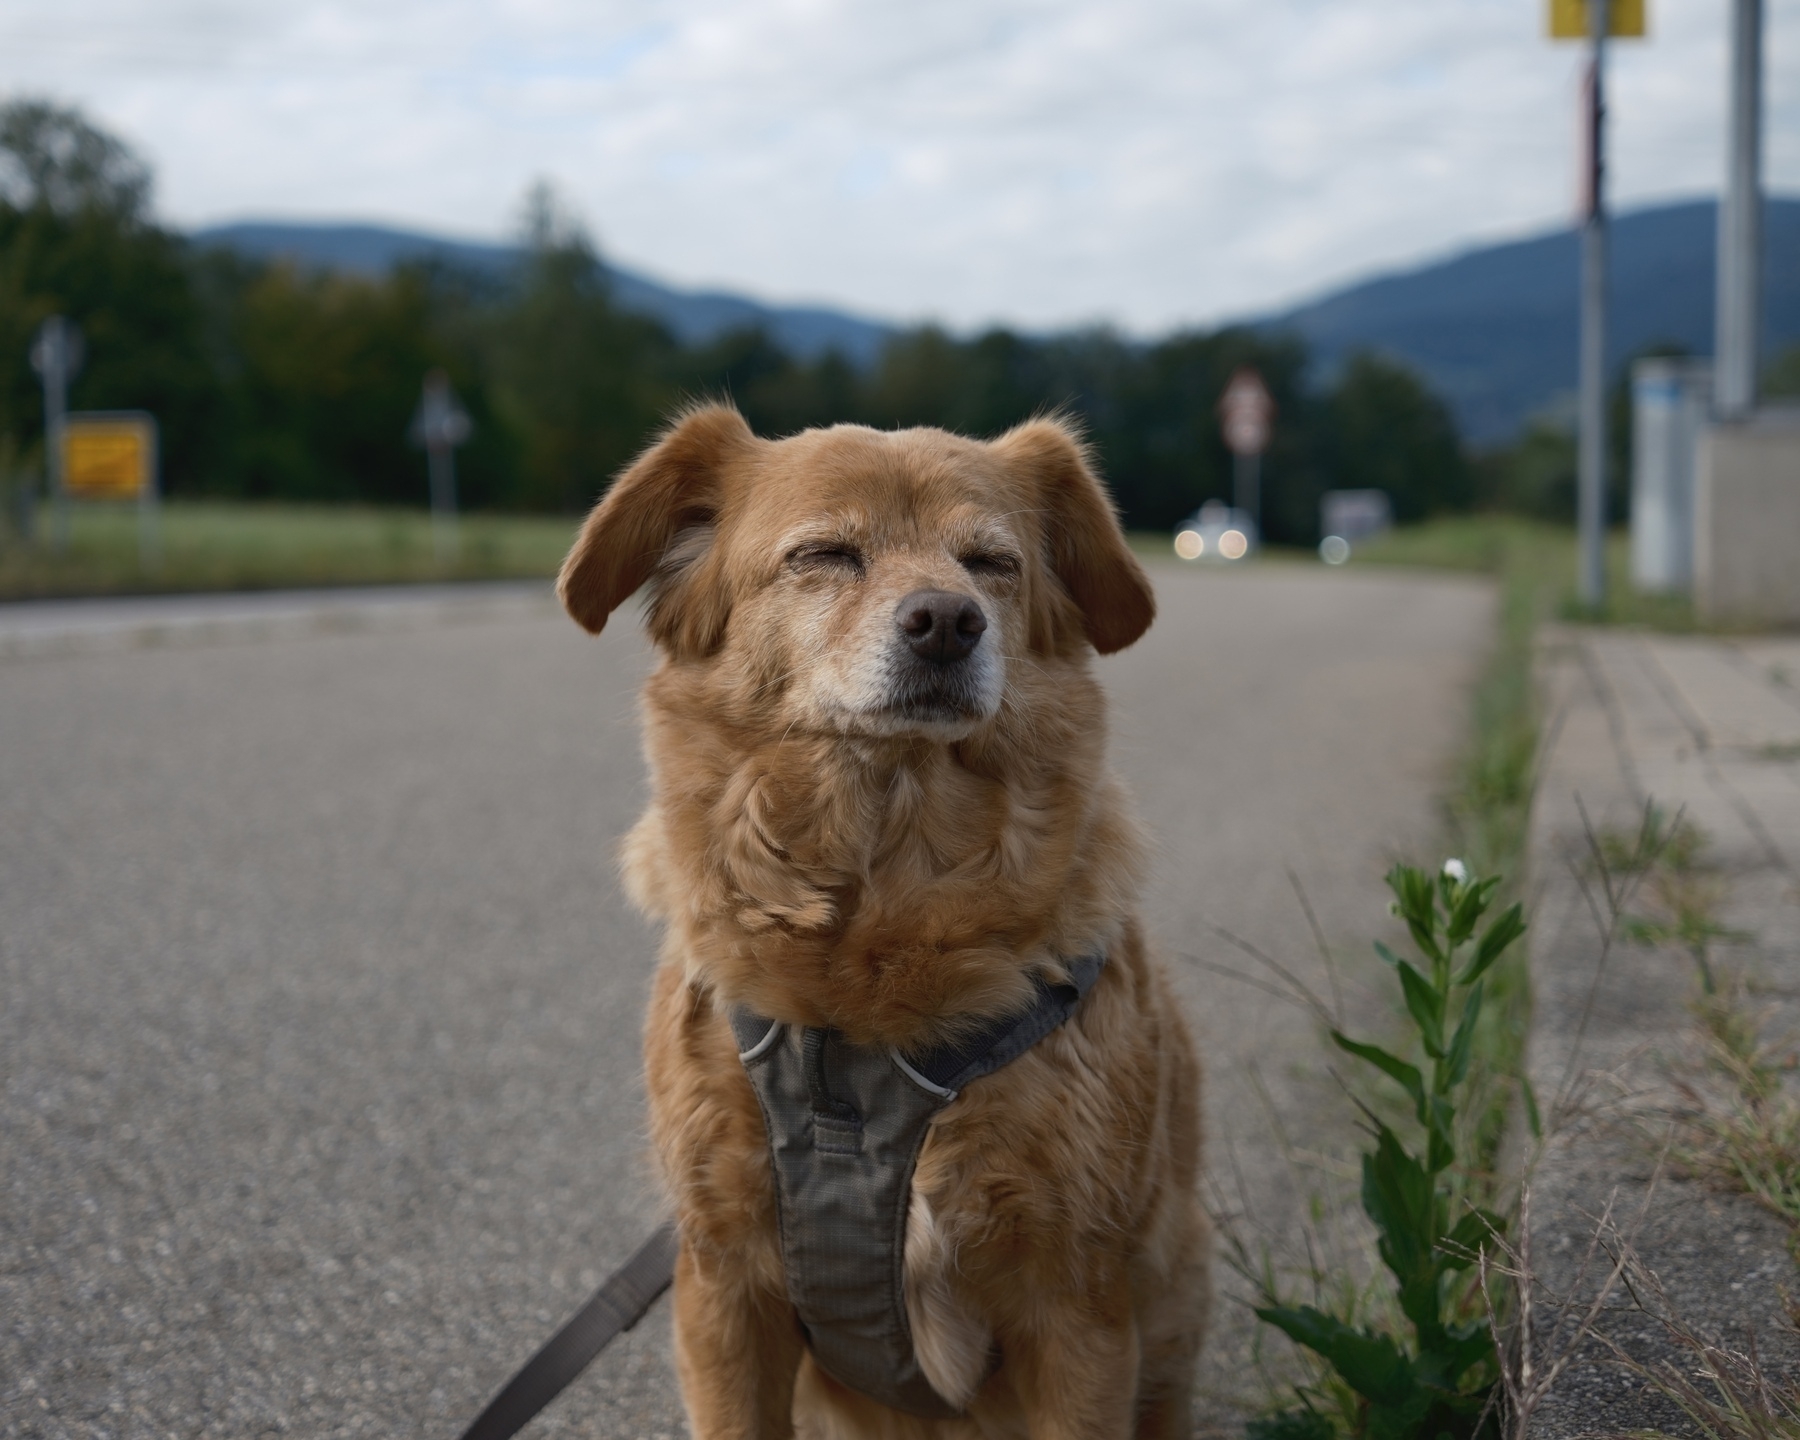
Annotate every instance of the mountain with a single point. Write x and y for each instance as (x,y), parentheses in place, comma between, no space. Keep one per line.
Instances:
(694,316)
(1492,330)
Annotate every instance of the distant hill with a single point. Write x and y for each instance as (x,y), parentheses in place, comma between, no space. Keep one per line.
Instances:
(1492,330)
(694,316)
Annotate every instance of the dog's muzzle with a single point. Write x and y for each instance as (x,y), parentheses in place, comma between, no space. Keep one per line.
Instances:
(938,672)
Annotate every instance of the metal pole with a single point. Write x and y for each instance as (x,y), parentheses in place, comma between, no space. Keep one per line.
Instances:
(1247,486)
(1592,475)
(53,353)
(150,508)
(441,463)
(1737,343)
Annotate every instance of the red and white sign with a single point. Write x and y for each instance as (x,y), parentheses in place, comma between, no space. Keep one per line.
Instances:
(1247,413)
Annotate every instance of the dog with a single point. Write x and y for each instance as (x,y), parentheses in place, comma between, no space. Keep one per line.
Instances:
(880,806)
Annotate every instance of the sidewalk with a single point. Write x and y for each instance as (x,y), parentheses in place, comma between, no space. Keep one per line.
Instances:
(1709,729)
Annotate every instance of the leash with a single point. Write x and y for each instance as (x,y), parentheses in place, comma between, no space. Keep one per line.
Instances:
(617,1305)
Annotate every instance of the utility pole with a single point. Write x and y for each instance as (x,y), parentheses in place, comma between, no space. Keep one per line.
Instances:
(1591,477)
(1737,340)
(56,355)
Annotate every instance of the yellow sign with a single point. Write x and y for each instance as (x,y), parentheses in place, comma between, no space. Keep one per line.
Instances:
(109,456)
(1569,19)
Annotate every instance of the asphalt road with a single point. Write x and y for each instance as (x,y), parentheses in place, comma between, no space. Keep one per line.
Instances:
(319,1072)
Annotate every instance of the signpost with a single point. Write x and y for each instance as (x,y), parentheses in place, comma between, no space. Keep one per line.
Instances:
(440,425)
(1247,414)
(56,355)
(112,455)
(1594,21)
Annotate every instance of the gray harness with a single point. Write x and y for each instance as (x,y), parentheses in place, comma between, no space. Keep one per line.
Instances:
(845,1125)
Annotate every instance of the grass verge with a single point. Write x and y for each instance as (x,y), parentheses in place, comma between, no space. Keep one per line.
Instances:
(259,547)
(1509,546)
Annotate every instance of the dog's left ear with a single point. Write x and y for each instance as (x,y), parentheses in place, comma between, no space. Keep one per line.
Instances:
(657,523)
(1086,547)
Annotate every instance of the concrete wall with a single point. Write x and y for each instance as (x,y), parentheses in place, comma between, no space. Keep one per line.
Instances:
(1747,520)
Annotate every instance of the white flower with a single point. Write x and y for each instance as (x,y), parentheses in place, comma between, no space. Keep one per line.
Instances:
(1457,871)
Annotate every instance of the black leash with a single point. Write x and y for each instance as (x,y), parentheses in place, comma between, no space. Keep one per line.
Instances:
(617,1305)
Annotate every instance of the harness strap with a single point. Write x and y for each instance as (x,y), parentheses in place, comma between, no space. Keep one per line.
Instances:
(845,1126)
(627,1296)
(1002,1041)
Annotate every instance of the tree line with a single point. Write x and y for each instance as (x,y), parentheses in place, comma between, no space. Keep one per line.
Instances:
(276,382)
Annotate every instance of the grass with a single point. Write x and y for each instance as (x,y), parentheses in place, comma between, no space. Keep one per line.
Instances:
(218,546)
(1535,551)
(1739,1124)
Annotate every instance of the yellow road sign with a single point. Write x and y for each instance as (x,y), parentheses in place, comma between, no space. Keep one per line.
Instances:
(109,456)
(1569,19)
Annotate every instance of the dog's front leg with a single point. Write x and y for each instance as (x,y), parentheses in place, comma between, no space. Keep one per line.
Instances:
(737,1348)
(1077,1375)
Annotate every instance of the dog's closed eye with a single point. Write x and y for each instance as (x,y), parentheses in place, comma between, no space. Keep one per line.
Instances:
(993,563)
(826,558)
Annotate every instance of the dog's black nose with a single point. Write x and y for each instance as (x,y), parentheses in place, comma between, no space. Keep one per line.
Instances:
(940,625)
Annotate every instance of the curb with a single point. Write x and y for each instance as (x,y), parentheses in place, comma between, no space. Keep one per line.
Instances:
(38,629)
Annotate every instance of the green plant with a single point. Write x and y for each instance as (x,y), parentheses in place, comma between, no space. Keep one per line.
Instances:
(1441,1382)
(1686,895)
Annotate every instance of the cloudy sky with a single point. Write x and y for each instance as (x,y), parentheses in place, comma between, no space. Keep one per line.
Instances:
(1142,162)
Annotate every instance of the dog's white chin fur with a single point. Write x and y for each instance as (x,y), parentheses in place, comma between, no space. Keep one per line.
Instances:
(886,725)
(874,694)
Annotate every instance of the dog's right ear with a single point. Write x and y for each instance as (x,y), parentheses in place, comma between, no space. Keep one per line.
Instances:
(656,522)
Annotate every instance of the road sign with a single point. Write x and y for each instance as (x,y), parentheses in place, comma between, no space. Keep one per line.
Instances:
(440,425)
(109,455)
(1569,20)
(1247,412)
(57,351)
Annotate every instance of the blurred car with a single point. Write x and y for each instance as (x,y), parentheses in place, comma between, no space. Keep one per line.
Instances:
(1347,518)
(1216,533)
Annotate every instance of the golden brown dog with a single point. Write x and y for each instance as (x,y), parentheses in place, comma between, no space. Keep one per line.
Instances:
(881,804)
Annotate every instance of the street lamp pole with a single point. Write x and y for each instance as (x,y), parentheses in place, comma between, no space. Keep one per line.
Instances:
(1591,478)
(1737,341)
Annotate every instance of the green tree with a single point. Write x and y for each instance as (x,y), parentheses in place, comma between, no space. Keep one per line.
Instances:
(75,240)
(320,375)
(52,159)
(583,383)
(1156,422)
(1388,432)
(1534,475)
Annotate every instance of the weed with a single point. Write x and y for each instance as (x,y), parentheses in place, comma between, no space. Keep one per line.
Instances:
(1441,1381)
(1741,1131)
(1725,1394)
(1685,894)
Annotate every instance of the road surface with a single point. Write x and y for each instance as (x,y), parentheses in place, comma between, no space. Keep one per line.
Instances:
(319,1073)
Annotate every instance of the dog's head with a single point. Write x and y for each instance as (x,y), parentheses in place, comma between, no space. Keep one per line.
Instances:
(860,581)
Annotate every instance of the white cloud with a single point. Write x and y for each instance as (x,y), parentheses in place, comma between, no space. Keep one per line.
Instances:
(1146,162)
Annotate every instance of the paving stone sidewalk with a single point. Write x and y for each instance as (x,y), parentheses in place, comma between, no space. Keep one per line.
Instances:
(1707,728)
